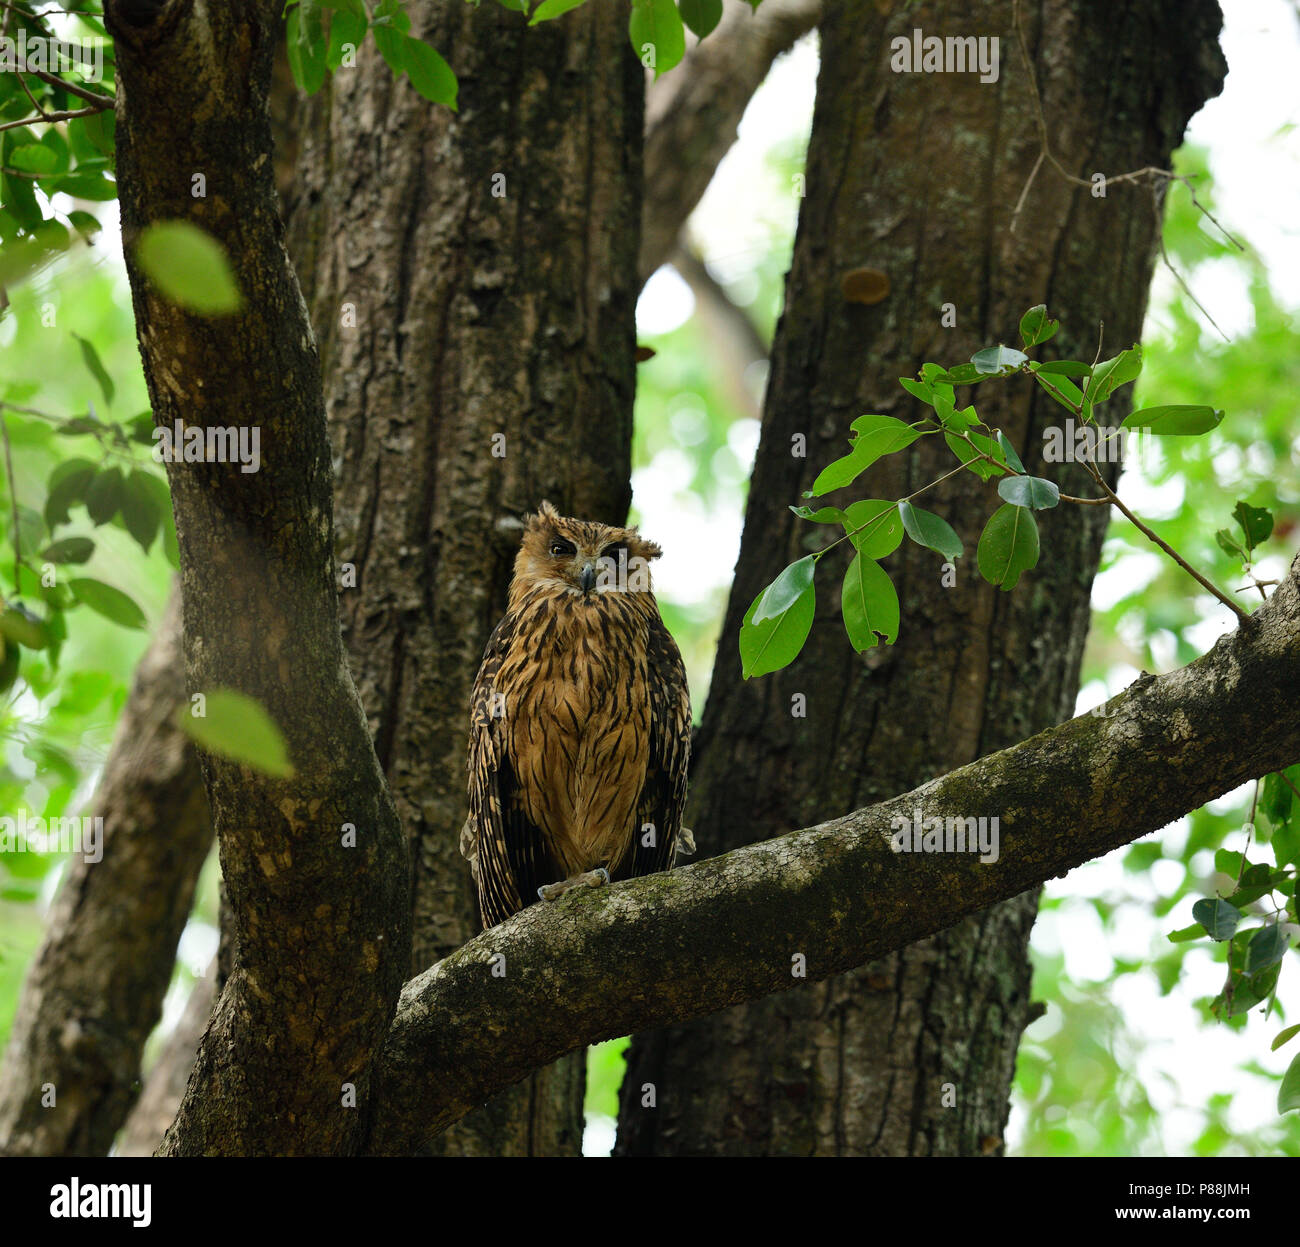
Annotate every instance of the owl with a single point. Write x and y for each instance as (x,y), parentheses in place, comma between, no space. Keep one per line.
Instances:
(580,722)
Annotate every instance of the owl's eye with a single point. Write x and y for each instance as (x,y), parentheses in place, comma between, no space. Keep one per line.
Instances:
(561,548)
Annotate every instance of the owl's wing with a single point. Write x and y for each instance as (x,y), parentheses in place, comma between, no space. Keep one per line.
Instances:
(507,850)
(664,795)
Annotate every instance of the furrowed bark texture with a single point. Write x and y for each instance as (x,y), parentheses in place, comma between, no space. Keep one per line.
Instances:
(666,947)
(96,987)
(917,175)
(472,276)
(692,113)
(323,926)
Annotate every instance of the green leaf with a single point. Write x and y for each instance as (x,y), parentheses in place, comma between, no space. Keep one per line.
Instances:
(67,485)
(1255,522)
(107,601)
(1064,392)
(101,130)
(782,593)
(1008,546)
(93,186)
(84,223)
(1276,795)
(1228,862)
(1036,327)
(775,643)
(962,374)
(1063,368)
(1185,934)
(23,627)
(1029,491)
(306,46)
(104,496)
(1285,1036)
(430,75)
(1176,420)
(189,267)
(345,29)
(881,525)
(1009,451)
(549,9)
(96,368)
(869,604)
(995,361)
(1111,373)
(1229,545)
(1288,1094)
(140,509)
(930,531)
(1286,844)
(32,158)
(702,16)
(877,436)
(970,451)
(390,25)
(823,515)
(1266,948)
(69,550)
(1217,917)
(657,35)
(236,726)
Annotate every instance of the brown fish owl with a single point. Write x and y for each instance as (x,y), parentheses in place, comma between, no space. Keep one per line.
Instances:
(580,722)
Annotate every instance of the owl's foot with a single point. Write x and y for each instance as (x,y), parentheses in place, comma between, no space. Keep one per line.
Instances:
(588,878)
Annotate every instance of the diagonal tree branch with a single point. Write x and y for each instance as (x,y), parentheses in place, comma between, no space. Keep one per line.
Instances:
(670,947)
(692,114)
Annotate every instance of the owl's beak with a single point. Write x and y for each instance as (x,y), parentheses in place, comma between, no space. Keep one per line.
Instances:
(588,577)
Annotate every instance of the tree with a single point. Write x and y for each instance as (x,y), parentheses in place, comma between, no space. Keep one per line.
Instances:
(693,941)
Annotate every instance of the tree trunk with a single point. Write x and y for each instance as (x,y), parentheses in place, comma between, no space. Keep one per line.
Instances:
(472,279)
(917,175)
(313,860)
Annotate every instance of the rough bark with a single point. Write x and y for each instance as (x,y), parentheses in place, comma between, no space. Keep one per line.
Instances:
(323,926)
(692,113)
(488,260)
(96,986)
(679,112)
(671,946)
(917,175)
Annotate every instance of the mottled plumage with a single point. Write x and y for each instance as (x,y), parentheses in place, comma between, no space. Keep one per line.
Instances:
(580,720)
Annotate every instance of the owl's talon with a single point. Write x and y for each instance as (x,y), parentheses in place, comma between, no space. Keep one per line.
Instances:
(589,878)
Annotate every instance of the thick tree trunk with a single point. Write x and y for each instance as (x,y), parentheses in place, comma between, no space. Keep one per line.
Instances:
(322,918)
(472,277)
(917,175)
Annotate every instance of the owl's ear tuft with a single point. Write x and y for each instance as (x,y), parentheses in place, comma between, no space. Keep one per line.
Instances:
(647,549)
(545,513)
